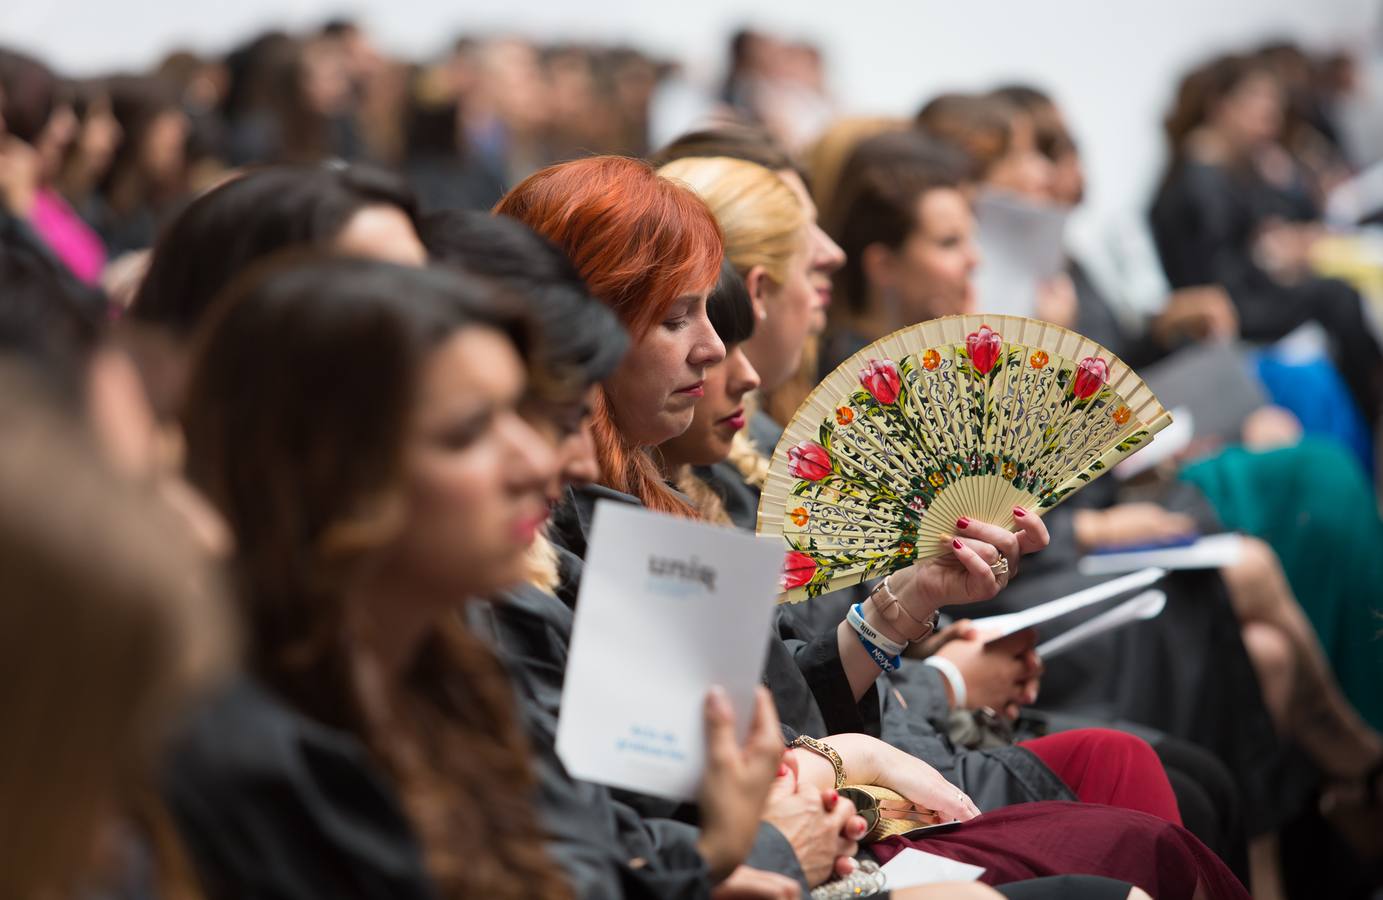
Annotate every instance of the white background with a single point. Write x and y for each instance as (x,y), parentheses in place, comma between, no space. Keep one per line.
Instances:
(1113,63)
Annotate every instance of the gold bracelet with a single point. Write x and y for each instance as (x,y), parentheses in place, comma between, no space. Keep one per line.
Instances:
(825,750)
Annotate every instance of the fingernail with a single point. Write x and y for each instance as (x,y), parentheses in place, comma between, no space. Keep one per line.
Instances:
(957,544)
(962,523)
(719,701)
(783,770)
(832,798)
(1019,512)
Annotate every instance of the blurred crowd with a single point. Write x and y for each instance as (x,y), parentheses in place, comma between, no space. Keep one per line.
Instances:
(358,343)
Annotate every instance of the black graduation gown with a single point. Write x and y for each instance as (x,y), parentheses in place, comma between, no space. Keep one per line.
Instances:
(1205,220)
(274,805)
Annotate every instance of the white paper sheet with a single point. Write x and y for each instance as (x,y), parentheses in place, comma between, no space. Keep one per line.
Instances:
(1147,605)
(668,607)
(1214,551)
(1011,623)
(915,867)
(1022,244)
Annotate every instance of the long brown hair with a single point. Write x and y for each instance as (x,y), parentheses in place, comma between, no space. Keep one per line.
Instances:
(1201,90)
(981,125)
(110,622)
(297,412)
(640,241)
(876,202)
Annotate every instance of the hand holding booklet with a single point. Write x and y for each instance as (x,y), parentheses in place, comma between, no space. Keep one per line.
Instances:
(668,608)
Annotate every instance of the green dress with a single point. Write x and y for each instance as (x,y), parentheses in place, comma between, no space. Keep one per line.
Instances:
(1315,507)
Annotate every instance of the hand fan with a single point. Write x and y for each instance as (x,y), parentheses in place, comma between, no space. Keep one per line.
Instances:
(960,416)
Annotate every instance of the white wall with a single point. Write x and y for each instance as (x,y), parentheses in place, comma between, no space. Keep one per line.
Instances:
(1113,63)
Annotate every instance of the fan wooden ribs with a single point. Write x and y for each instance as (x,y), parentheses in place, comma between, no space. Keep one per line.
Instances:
(960,416)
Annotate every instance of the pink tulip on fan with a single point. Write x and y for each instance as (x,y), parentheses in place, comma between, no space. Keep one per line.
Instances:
(1091,373)
(809,460)
(881,379)
(983,346)
(798,569)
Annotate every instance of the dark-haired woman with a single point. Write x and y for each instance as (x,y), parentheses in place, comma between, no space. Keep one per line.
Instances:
(367,500)
(38,114)
(1229,212)
(126,626)
(350,210)
(147,180)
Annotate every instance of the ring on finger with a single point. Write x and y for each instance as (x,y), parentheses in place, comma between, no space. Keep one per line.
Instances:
(999,567)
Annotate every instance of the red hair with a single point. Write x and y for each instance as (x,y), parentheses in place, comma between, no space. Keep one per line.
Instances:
(640,241)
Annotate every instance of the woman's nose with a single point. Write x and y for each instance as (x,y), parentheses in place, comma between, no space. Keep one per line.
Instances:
(743,376)
(708,349)
(532,460)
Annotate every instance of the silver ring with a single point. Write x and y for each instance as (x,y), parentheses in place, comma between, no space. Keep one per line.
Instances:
(1000,567)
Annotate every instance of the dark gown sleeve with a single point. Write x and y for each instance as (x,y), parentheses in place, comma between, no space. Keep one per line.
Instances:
(1204,222)
(271,805)
(817,657)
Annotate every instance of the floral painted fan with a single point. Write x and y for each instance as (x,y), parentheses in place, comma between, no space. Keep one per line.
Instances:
(960,416)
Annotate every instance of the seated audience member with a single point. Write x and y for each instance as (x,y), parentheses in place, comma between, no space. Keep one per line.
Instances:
(1228,212)
(673,346)
(112,624)
(42,127)
(383,726)
(353,211)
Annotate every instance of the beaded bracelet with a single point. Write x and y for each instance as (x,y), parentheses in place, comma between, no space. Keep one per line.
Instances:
(866,881)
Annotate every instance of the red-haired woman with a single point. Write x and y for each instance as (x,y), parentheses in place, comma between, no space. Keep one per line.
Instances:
(651,250)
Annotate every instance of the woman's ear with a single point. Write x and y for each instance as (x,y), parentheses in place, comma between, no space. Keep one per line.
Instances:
(760,286)
(877,262)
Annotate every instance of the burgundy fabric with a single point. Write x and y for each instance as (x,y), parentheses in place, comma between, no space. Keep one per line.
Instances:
(1036,840)
(1115,768)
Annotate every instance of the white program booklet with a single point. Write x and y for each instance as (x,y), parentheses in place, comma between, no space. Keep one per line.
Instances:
(1011,623)
(1022,244)
(1214,551)
(668,608)
(914,867)
(1147,605)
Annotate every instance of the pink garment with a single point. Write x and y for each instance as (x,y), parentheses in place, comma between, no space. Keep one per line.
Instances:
(70,239)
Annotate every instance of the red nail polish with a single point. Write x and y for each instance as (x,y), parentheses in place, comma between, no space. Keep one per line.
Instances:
(783,770)
(1019,512)
(962,523)
(832,798)
(957,544)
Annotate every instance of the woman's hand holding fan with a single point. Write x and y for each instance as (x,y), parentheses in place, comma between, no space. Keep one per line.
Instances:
(970,572)
(961,419)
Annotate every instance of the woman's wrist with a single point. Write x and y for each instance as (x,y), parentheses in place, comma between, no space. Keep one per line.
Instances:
(903,613)
(862,755)
(720,859)
(875,617)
